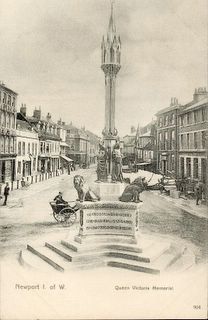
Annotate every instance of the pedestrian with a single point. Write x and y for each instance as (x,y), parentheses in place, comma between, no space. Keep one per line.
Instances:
(69,168)
(198,192)
(6,193)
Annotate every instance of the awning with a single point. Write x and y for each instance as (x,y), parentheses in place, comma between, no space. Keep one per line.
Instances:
(64,144)
(76,152)
(67,159)
(143,163)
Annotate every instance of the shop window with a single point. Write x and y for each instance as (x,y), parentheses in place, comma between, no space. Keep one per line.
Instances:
(196,168)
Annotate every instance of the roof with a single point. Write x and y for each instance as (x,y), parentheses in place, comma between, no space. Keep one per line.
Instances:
(23,125)
(63,144)
(48,136)
(193,105)
(147,134)
(168,109)
(7,89)
(148,146)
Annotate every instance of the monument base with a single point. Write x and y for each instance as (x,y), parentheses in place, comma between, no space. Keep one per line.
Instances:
(108,191)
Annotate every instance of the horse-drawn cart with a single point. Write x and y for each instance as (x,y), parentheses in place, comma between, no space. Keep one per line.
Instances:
(64,213)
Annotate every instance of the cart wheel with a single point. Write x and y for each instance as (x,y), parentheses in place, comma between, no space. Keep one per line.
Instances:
(59,216)
(70,216)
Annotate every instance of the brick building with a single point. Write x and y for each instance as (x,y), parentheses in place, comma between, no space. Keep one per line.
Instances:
(27,150)
(49,140)
(146,156)
(8,100)
(167,139)
(193,129)
(79,145)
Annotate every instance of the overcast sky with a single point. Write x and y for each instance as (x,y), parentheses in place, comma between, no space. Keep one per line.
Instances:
(50,54)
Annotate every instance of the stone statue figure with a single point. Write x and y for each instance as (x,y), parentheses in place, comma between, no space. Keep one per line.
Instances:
(102,163)
(83,190)
(132,191)
(117,163)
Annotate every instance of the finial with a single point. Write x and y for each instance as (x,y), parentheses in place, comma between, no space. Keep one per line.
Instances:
(112,27)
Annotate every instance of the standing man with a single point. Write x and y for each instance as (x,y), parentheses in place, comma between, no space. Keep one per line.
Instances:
(198,192)
(69,168)
(6,193)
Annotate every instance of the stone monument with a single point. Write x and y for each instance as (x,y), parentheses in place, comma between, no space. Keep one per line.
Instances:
(108,228)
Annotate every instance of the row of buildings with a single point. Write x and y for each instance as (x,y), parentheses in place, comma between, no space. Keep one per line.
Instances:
(176,142)
(35,144)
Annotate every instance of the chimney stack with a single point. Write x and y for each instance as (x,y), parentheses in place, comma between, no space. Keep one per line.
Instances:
(174,102)
(37,113)
(48,117)
(23,110)
(200,93)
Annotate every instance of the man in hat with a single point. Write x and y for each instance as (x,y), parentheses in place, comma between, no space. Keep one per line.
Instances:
(6,193)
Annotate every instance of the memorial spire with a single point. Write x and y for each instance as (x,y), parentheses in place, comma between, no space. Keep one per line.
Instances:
(112,25)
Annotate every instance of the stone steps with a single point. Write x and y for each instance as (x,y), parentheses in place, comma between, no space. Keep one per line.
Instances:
(77,247)
(153,258)
(44,254)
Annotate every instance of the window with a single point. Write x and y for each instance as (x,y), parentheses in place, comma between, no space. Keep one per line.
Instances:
(7,121)
(34,164)
(188,167)
(11,145)
(195,116)
(36,149)
(182,167)
(196,168)
(182,120)
(6,145)
(172,118)
(13,101)
(32,148)
(41,147)
(166,140)
(4,98)
(173,163)
(203,139)
(188,140)
(9,100)
(195,140)
(182,142)
(203,114)
(19,167)
(188,118)
(166,120)
(173,139)
(28,148)
(19,149)
(23,148)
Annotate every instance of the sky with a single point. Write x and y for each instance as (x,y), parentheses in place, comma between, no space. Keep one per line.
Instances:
(51,55)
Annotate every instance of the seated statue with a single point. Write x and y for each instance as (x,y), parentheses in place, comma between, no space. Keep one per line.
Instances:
(83,190)
(132,191)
